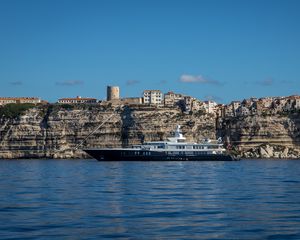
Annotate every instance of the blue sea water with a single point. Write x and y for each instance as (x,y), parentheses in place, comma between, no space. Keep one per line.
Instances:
(87,199)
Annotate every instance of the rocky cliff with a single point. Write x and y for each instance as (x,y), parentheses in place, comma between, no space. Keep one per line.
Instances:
(262,136)
(53,131)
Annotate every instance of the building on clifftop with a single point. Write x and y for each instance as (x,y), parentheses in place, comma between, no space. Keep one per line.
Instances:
(131,100)
(153,97)
(20,100)
(210,106)
(78,99)
(171,99)
(113,93)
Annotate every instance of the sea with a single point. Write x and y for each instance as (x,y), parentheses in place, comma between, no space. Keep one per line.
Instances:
(88,199)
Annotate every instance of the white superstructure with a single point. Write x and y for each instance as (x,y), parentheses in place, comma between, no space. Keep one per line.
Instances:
(178,146)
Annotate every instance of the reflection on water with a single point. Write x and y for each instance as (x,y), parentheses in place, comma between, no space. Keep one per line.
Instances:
(78,199)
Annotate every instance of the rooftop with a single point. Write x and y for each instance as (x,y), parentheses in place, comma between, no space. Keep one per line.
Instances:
(152,91)
(78,98)
(19,98)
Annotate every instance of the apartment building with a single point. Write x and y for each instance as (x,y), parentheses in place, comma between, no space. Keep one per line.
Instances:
(153,97)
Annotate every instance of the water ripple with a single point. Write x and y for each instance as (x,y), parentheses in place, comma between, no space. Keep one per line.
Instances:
(84,199)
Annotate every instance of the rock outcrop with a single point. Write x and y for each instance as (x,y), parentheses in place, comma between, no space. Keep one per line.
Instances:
(268,136)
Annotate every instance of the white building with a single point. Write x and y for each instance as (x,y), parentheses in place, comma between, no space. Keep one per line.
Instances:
(235,106)
(171,98)
(7,100)
(228,111)
(210,106)
(78,99)
(153,97)
(243,111)
(297,103)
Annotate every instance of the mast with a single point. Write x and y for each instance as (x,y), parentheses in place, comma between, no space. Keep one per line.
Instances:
(96,129)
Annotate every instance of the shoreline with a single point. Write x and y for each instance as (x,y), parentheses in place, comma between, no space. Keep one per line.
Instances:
(90,158)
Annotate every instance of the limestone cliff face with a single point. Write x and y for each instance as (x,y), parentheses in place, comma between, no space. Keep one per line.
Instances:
(54,132)
(269,136)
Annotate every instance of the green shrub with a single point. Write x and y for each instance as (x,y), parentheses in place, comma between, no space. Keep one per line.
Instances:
(200,113)
(67,106)
(14,110)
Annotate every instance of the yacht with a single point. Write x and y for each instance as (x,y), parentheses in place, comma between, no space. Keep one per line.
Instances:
(173,149)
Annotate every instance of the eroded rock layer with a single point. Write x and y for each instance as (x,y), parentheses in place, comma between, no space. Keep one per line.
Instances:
(54,131)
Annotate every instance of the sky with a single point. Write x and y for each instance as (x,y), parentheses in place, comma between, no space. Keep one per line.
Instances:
(222,50)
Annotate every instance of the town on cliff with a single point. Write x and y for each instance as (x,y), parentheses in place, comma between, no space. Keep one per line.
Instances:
(267,127)
(187,103)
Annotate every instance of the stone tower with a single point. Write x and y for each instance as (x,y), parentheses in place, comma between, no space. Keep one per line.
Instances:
(113,93)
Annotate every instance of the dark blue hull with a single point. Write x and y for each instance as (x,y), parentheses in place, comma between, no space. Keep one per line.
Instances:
(133,155)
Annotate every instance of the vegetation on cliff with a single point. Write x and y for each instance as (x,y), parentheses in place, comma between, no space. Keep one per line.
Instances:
(13,110)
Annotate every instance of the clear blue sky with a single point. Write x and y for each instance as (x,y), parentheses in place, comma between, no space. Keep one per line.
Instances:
(225,50)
